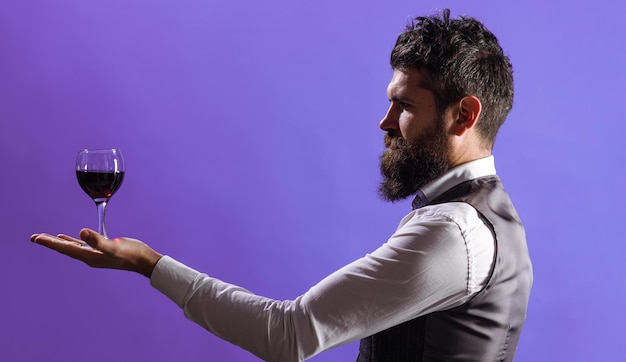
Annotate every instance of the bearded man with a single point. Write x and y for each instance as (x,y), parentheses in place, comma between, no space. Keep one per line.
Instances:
(451,284)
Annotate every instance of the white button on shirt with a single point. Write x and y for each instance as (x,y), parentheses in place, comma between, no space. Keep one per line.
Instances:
(439,256)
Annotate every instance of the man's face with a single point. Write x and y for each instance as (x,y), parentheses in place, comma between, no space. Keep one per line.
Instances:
(416,140)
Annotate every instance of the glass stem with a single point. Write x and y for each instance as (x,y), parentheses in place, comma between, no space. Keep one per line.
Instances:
(101,205)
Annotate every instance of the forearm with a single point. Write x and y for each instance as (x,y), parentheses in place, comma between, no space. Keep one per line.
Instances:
(268,328)
(254,323)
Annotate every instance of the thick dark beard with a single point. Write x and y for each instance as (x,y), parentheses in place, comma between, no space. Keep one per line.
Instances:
(406,166)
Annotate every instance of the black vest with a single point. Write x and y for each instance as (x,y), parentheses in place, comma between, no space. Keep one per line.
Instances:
(488,326)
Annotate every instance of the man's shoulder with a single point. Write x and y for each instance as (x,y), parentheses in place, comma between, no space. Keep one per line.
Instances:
(458,214)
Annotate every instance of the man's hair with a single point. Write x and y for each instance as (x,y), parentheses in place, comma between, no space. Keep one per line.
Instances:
(460,57)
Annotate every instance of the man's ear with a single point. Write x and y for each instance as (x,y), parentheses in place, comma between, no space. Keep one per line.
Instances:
(469,111)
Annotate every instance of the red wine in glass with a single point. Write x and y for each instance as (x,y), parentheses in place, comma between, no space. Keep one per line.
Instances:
(99,184)
(100,173)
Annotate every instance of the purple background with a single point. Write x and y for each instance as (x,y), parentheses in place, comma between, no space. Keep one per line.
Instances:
(250,133)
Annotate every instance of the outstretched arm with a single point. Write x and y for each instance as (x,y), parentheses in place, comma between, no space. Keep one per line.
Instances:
(96,251)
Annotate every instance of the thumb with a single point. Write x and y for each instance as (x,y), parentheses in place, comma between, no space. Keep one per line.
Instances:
(92,238)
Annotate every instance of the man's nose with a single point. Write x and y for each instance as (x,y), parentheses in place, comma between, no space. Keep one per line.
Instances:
(390,120)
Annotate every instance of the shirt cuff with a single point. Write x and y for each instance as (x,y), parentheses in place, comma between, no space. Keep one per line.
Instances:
(172,278)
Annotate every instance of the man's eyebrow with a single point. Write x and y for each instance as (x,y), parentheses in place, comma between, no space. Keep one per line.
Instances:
(401,99)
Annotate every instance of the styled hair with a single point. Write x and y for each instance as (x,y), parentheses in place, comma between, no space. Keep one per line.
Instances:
(458,58)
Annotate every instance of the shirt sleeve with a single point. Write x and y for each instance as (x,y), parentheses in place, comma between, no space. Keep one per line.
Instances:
(422,268)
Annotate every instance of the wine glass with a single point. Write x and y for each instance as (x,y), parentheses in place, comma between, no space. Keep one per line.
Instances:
(100,173)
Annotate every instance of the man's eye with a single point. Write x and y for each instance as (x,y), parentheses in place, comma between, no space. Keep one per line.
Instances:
(403,105)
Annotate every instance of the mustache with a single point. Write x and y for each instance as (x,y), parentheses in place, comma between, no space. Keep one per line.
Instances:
(393,140)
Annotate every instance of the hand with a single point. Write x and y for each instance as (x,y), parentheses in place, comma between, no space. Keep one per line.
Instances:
(118,253)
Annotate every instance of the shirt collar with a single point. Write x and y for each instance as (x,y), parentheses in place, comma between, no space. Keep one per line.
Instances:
(465,172)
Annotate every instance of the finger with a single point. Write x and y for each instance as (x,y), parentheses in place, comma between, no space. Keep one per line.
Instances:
(72,239)
(93,239)
(75,249)
(34,237)
(97,241)
(43,239)
(72,247)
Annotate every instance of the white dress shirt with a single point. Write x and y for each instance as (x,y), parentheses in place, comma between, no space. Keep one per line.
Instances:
(439,256)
